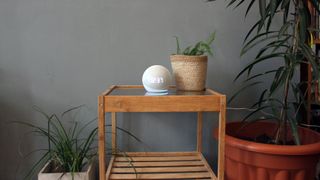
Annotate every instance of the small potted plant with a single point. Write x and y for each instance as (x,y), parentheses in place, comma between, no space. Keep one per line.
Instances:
(190,65)
(69,154)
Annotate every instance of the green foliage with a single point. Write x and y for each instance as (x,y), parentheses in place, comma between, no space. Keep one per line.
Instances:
(200,48)
(289,45)
(67,149)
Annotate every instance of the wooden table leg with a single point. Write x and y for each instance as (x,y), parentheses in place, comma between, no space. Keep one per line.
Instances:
(101,134)
(221,140)
(199,132)
(114,132)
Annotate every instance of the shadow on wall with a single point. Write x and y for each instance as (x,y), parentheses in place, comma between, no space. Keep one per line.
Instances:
(13,98)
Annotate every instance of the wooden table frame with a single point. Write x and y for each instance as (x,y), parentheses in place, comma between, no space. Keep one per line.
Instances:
(214,102)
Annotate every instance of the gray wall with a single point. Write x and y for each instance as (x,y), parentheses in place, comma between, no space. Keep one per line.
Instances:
(61,53)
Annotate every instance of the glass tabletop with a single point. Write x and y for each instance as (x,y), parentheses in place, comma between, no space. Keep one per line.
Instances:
(143,92)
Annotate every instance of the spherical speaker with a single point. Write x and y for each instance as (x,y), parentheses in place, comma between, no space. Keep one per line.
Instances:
(156,79)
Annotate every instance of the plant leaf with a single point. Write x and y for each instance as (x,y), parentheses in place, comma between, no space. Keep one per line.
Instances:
(303,24)
(242,89)
(71,109)
(187,50)
(256,40)
(278,80)
(262,97)
(275,45)
(263,13)
(258,60)
(194,51)
(251,30)
(254,112)
(239,4)
(260,74)
(205,48)
(286,11)
(273,7)
(294,130)
(231,2)
(178,45)
(262,9)
(249,7)
(284,28)
(311,58)
(284,3)
(211,38)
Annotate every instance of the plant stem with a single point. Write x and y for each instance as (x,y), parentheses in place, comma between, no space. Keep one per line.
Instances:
(282,126)
(296,30)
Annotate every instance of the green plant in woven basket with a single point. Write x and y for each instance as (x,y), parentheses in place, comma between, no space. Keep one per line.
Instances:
(66,148)
(200,48)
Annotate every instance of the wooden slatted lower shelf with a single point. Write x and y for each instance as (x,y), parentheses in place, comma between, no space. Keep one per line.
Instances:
(159,165)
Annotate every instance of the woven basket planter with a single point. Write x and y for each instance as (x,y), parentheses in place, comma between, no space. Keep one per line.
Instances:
(190,72)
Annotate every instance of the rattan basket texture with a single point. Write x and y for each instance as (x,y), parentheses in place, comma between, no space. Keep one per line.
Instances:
(189,71)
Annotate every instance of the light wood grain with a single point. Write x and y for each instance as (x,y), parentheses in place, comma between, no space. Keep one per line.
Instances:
(161,154)
(141,167)
(129,87)
(214,92)
(160,169)
(114,132)
(154,159)
(162,103)
(199,132)
(101,143)
(136,87)
(221,143)
(213,176)
(161,176)
(108,91)
(110,167)
(160,165)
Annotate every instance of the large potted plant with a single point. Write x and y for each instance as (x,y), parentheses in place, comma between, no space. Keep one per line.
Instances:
(279,149)
(190,65)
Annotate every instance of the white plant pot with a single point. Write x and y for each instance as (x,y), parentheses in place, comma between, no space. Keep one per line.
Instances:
(89,174)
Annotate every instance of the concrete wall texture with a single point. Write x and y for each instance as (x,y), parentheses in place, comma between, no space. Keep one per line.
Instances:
(62,53)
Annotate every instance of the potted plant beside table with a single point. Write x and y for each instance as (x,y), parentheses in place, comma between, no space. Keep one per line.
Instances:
(270,143)
(69,154)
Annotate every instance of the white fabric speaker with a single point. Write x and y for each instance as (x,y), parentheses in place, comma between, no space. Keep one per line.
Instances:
(156,79)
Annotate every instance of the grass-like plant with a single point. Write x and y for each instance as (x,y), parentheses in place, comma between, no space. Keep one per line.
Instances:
(200,48)
(288,45)
(67,149)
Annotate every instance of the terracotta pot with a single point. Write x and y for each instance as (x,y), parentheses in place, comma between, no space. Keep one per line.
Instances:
(247,160)
(45,174)
(190,72)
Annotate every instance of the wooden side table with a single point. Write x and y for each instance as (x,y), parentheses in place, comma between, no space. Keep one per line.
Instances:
(159,165)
